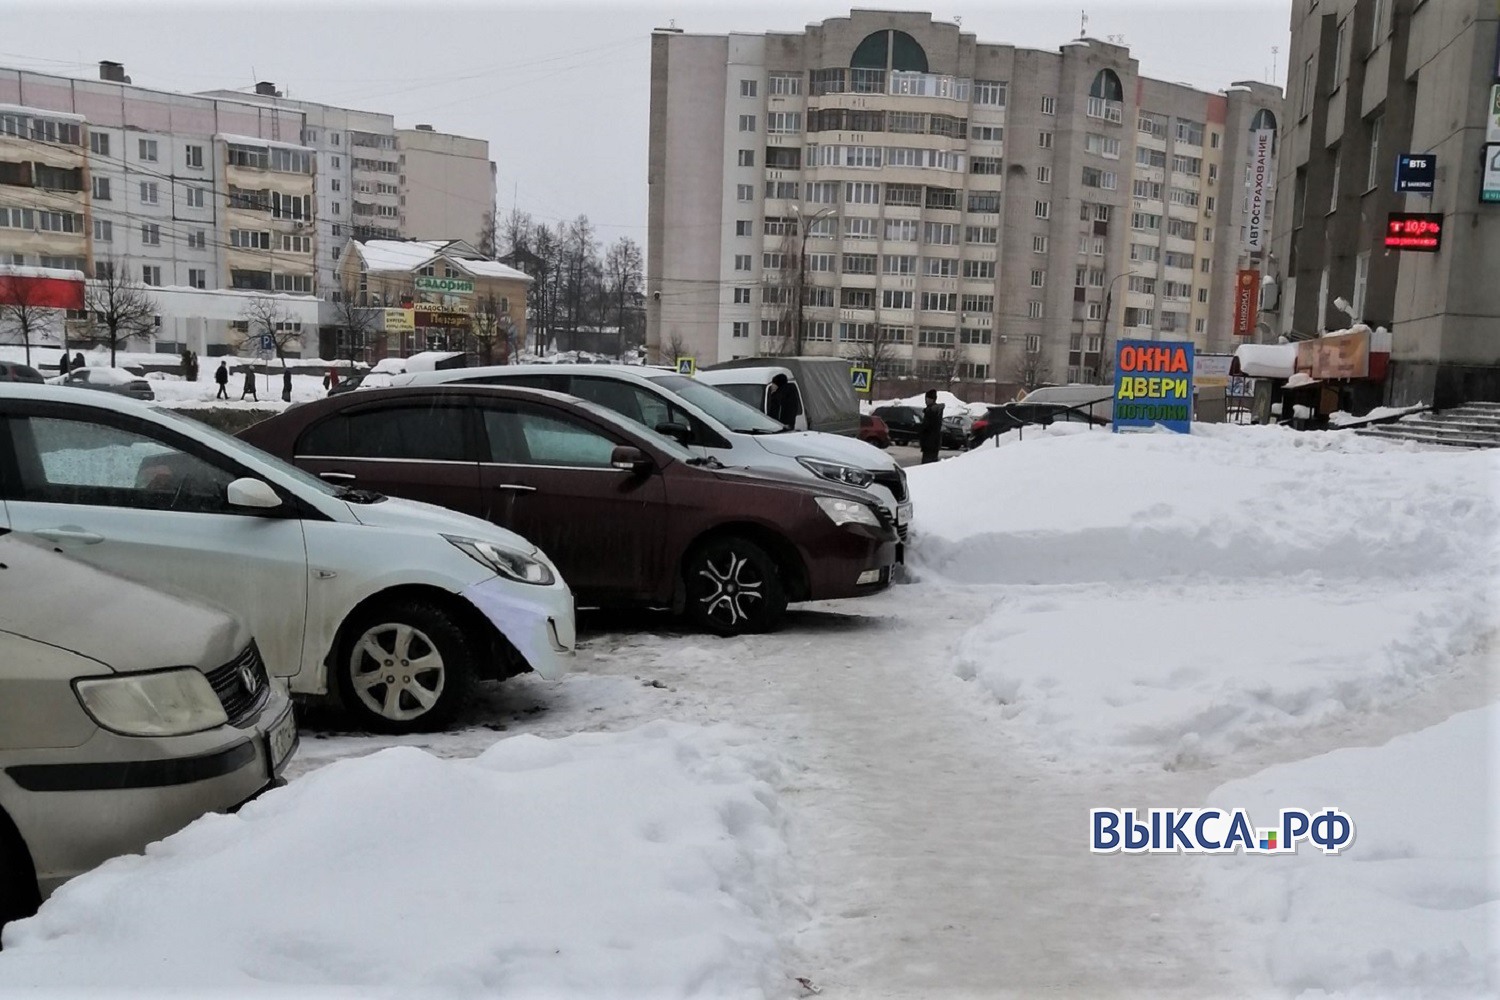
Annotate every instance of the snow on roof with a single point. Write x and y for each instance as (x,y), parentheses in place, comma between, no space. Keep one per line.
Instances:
(491,269)
(21,109)
(56,273)
(1267,360)
(398,255)
(250,140)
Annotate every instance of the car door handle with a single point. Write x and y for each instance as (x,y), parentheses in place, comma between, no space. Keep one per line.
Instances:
(515,487)
(337,477)
(77,535)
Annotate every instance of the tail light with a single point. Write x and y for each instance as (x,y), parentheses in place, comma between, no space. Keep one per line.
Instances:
(979,424)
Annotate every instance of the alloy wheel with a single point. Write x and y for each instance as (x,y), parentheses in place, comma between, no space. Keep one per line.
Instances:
(733,589)
(396,671)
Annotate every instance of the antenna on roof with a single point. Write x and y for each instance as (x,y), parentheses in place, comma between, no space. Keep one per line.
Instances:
(1274,50)
(672,23)
(1083,24)
(958,20)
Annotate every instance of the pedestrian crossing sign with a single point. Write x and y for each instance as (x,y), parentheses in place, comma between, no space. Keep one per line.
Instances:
(861,377)
(687,366)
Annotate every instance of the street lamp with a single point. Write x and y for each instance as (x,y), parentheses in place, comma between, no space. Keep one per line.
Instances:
(1104,323)
(802,266)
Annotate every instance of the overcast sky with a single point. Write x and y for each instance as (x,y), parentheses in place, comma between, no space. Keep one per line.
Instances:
(561,90)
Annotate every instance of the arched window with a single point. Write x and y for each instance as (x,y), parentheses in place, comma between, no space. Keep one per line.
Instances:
(895,49)
(1106,86)
(1264,119)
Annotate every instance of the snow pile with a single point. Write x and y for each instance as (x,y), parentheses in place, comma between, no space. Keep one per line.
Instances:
(1412,907)
(639,864)
(1167,600)
(1343,418)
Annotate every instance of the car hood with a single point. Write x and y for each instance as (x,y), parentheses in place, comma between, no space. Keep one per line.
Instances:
(413,515)
(123,625)
(829,447)
(775,480)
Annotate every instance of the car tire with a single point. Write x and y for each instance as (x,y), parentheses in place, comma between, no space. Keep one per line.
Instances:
(733,587)
(438,656)
(19,895)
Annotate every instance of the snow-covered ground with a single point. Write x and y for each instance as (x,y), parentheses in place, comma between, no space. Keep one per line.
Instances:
(1246,616)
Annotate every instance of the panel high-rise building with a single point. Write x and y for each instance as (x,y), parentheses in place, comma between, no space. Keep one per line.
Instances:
(887,187)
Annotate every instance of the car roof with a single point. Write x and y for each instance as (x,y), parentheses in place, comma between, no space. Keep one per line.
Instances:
(68,394)
(622,372)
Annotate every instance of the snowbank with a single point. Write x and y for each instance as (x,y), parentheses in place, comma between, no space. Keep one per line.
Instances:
(1342,418)
(1074,505)
(639,864)
(1166,600)
(1412,907)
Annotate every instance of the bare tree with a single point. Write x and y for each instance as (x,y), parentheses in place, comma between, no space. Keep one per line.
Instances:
(786,286)
(487,327)
(356,320)
(24,312)
(267,323)
(489,235)
(624,266)
(119,307)
(675,347)
(876,354)
(1031,369)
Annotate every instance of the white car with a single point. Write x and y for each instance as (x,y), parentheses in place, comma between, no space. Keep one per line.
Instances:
(392,606)
(707,421)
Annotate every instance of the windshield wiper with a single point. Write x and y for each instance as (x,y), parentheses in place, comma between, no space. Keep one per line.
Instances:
(707,461)
(759,431)
(351,494)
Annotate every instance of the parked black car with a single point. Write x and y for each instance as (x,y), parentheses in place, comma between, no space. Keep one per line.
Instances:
(1009,416)
(15,372)
(905,424)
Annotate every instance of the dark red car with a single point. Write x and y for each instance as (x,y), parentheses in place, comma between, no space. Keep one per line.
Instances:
(872,430)
(629,516)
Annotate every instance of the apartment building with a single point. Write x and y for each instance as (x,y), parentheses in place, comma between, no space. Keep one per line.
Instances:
(187,194)
(447,186)
(1368,82)
(885,186)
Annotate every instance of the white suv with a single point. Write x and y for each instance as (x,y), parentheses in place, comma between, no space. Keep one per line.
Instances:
(708,421)
(393,606)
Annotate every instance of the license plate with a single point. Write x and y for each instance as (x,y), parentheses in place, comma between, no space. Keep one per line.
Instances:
(903,513)
(281,741)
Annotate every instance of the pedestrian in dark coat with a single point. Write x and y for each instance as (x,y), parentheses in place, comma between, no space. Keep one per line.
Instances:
(930,437)
(783,403)
(221,376)
(249,389)
(78,360)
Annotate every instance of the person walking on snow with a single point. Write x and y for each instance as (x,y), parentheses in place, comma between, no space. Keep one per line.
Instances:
(783,404)
(930,437)
(221,376)
(249,389)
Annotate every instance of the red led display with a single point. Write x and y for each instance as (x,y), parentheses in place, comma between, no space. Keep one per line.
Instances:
(1414,231)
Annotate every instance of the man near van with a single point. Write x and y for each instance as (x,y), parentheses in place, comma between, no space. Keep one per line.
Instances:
(783,403)
(930,436)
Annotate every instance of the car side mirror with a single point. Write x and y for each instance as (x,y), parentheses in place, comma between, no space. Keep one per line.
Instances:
(681,433)
(247,492)
(630,459)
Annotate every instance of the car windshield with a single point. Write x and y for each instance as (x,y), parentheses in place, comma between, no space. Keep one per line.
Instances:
(749,393)
(239,449)
(630,427)
(723,407)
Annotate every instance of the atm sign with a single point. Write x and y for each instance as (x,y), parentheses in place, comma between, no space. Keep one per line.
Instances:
(1422,231)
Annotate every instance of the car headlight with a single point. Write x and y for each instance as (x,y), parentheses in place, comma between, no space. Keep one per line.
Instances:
(848,475)
(842,512)
(167,703)
(508,563)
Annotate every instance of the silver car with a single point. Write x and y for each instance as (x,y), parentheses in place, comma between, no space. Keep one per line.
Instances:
(125,714)
(116,380)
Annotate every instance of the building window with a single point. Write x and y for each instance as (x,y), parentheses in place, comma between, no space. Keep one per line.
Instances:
(99,143)
(747,157)
(893,299)
(977,303)
(1043,210)
(1189,132)
(101,189)
(742,262)
(194,155)
(940,233)
(902,230)
(861,193)
(939,301)
(1145,221)
(1095,311)
(740,330)
(899,264)
(928,336)
(1308,81)
(981,201)
(150,274)
(1102,145)
(104,231)
(1044,140)
(742,227)
(193,196)
(1374,170)
(147,149)
(785,84)
(1377,26)
(1049,105)
(989,92)
(820,263)
(985,235)
(1039,244)
(744,192)
(151,234)
(197,278)
(747,123)
(1034,309)
(748,88)
(1333,187)
(1137,317)
(149,193)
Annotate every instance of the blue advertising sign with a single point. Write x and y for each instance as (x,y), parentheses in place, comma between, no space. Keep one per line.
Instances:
(1416,173)
(1153,385)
